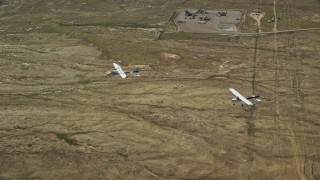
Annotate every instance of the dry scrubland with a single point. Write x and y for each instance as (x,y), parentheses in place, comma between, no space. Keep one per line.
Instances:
(62,118)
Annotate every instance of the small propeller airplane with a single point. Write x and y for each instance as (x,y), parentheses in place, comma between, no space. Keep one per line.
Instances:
(118,71)
(238,97)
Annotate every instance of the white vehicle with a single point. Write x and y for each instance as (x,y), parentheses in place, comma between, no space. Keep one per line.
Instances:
(238,97)
(118,71)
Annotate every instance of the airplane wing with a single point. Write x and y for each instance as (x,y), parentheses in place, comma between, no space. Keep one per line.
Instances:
(237,94)
(119,70)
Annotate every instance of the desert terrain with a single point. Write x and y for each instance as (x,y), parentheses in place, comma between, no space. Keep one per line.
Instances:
(62,118)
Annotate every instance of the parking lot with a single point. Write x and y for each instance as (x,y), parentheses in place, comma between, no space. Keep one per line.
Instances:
(208,21)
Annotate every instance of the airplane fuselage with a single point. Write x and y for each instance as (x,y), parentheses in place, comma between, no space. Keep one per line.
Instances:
(237,99)
(114,73)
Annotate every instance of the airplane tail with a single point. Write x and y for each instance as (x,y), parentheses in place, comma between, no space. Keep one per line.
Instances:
(108,73)
(137,72)
(255,97)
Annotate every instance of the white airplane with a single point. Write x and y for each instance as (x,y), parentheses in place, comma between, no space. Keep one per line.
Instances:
(118,71)
(238,97)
